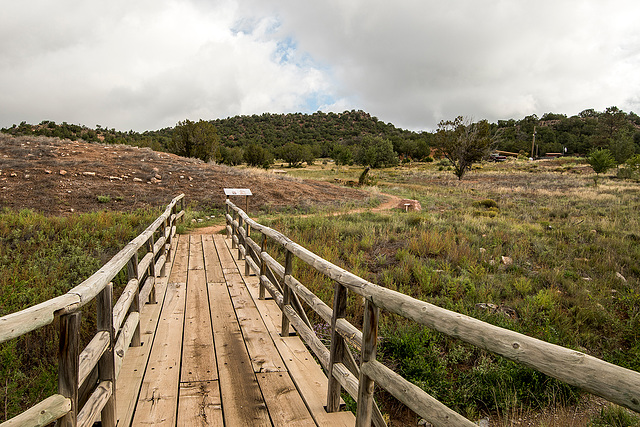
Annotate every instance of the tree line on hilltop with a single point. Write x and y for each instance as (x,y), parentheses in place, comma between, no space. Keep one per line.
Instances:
(357,137)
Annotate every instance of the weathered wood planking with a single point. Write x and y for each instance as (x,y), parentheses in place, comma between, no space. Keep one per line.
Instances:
(309,380)
(158,400)
(286,407)
(241,396)
(213,268)
(200,404)
(132,371)
(262,350)
(198,355)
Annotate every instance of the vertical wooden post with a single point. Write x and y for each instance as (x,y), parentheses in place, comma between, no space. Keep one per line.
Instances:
(226,211)
(337,347)
(240,243)
(247,249)
(286,292)
(369,346)
(132,273)
(234,231)
(152,270)
(106,364)
(263,266)
(68,364)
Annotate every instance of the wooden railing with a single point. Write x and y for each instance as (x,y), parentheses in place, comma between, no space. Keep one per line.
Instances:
(118,328)
(614,383)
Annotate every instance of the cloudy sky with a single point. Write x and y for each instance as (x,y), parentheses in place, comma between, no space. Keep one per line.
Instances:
(146,64)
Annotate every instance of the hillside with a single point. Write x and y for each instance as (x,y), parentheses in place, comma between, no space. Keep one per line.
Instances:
(55,176)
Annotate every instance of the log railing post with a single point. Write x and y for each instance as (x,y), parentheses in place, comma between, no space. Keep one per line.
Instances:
(132,273)
(369,346)
(234,231)
(337,347)
(247,249)
(152,270)
(226,211)
(286,292)
(263,266)
(68,364)
(240,242)
(106,364)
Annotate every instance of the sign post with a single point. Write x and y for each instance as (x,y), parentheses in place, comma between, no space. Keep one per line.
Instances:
(240,192)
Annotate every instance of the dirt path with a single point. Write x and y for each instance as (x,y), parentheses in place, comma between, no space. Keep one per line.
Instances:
(391,202)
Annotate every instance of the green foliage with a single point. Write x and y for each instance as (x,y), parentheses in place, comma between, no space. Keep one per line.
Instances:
(296,154)
(615,416)
(463,143)
(231,156)
(631,169)
(342,155)
(376,152)
(104,199)
(195,139)
(601,160)
(256,155)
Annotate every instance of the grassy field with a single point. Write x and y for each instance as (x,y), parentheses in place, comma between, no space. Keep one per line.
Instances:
(532,247)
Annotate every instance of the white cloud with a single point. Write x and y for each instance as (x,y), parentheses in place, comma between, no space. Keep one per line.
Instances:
(148,64)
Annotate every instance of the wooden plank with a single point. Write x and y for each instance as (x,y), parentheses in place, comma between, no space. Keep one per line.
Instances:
(158,399)
(198,354)
(132,370)
(199,404)
(180,261)
(196,259)
(213,267)
(310,381)
(262,350)
(133,367)
(241,396)
(286,407)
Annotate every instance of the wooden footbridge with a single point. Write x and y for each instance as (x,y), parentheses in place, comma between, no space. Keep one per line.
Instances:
(211,330)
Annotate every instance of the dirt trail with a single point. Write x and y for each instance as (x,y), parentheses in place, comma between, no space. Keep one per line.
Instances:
(391,202)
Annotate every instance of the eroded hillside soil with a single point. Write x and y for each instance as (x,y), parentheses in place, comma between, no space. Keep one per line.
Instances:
(60,177)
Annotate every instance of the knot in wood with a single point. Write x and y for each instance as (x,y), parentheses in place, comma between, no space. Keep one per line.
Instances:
(515,345)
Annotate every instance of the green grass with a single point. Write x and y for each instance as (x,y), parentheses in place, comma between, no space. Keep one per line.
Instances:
(40,258)
(570,245)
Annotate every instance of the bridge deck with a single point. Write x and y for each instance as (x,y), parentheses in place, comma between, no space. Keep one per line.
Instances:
(212,354)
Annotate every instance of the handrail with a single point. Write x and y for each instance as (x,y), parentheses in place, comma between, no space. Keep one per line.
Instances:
(118,327)
(614,383)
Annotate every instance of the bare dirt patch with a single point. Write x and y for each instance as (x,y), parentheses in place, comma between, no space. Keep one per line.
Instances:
(57,177)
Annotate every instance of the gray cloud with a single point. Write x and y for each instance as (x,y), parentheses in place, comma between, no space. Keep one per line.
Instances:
(148,64)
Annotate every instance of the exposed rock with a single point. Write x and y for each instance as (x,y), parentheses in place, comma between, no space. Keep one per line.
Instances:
(507,260)
(137,180)
(63,172)
(47,171)
(89,173)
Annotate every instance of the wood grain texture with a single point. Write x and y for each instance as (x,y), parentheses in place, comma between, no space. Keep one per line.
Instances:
(158,400)
(198,354)
(200,404)
(286,407)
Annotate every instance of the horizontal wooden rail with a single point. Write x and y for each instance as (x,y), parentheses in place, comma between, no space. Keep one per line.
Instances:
(614,383)
(118,328)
